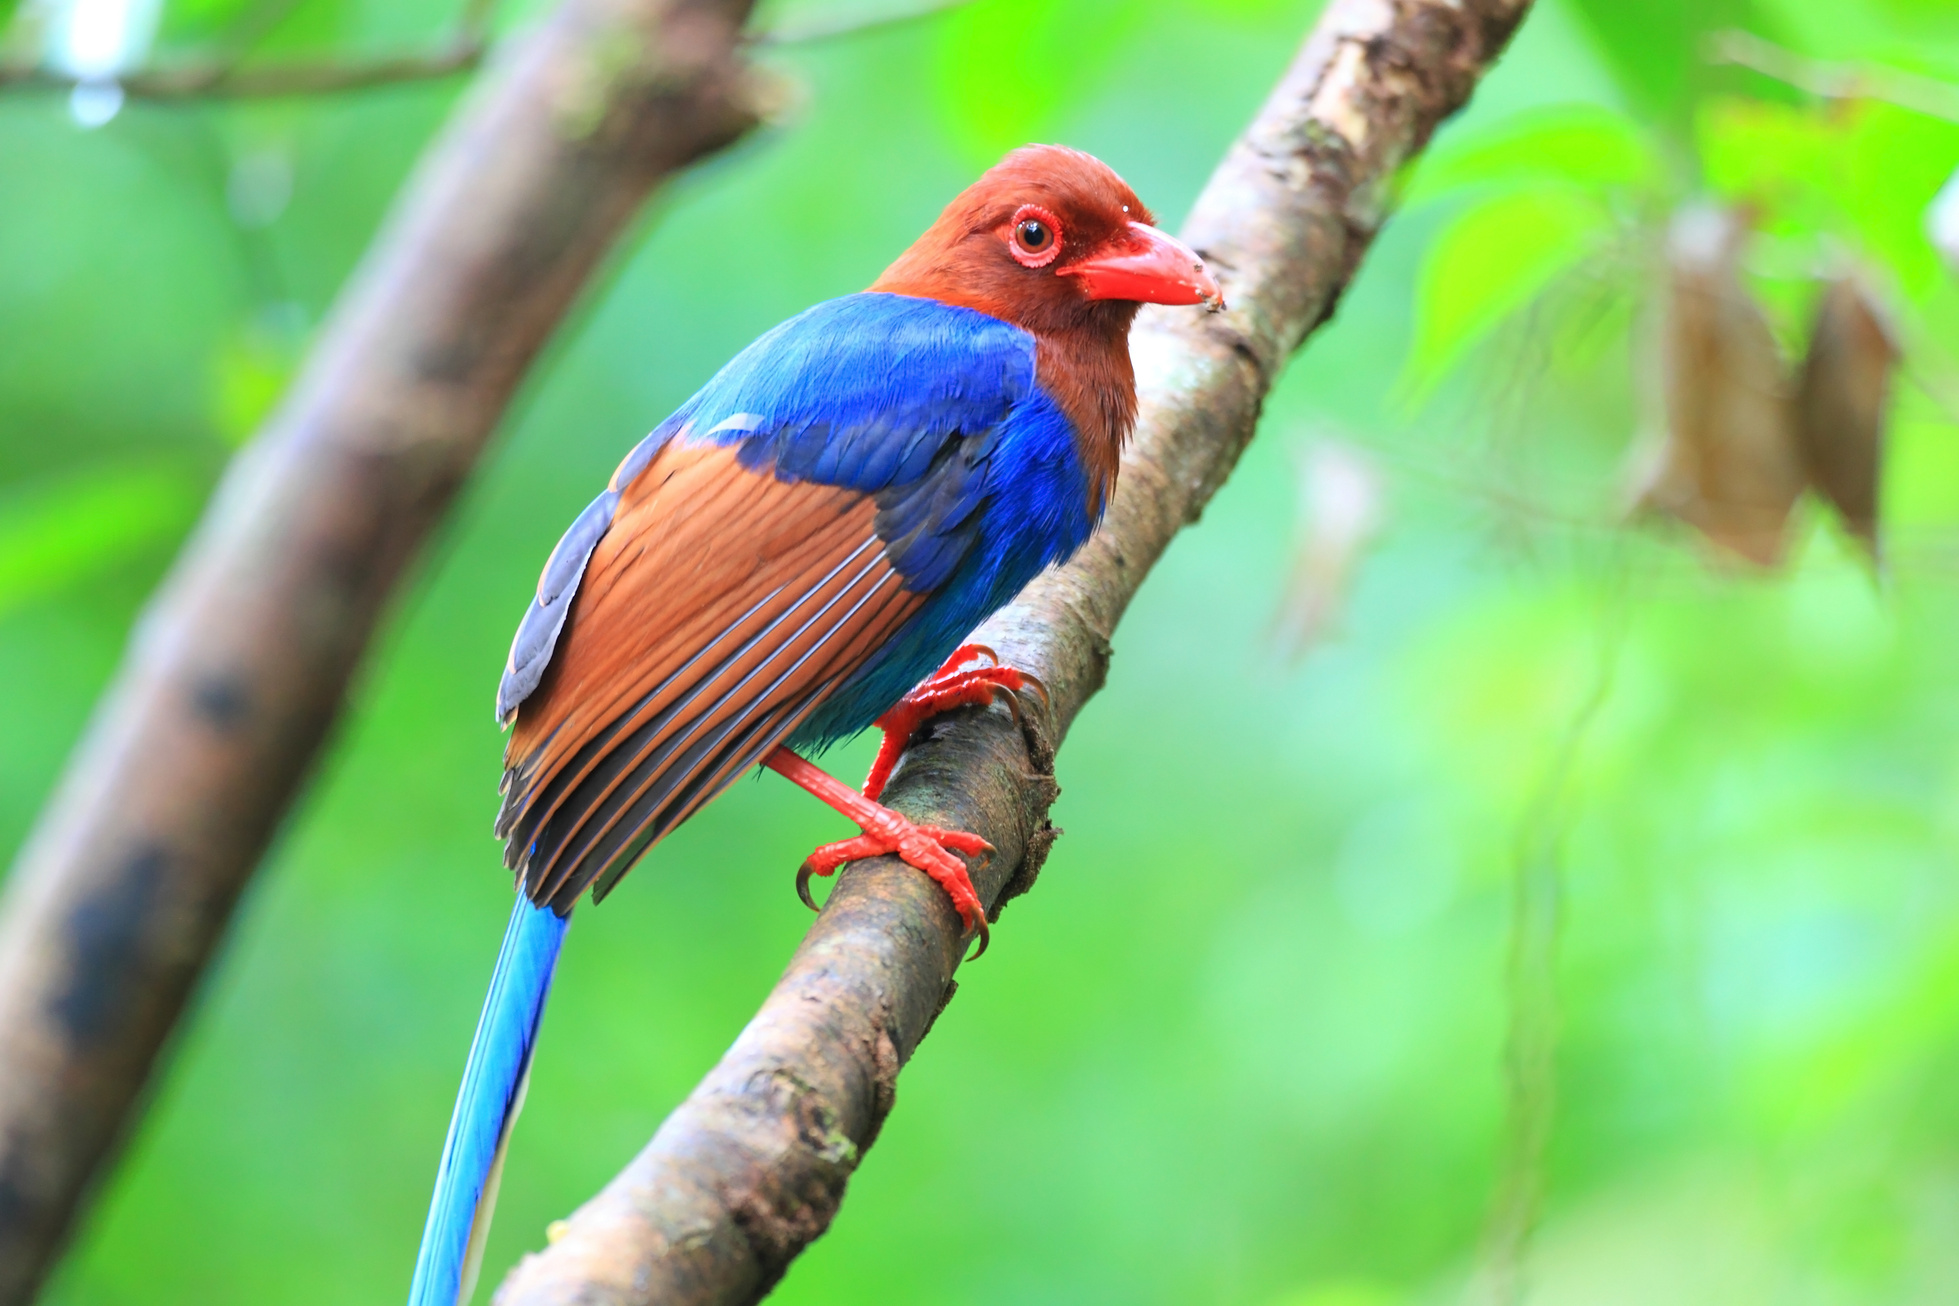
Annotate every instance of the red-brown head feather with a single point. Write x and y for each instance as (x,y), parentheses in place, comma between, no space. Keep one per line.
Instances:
(982,254)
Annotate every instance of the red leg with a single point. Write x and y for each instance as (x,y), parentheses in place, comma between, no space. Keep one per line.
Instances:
(942,691)
(926,847)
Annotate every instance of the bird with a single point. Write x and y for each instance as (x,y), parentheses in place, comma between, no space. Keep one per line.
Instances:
(796,554)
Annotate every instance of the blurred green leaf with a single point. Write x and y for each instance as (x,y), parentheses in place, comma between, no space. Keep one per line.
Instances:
(1921,466)
(79,524)
(1655,47)
(201,20)
(1007,70)
(1766,154)
(1584,144)
(1895,162)
(1492,259)
(1342,1292)
(1917,34)
(248,374)
(1861,173)
(270,25)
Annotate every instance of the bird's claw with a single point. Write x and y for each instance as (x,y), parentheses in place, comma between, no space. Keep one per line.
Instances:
(945,690)
(927,848)
(1011,679)
(802,886)
(1040,688)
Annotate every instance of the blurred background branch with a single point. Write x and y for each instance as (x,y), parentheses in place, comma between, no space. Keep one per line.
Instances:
(240,665)
(235,75)
(232,78)
(1538,910)
(832,26)
(752,1166)
(1836,81)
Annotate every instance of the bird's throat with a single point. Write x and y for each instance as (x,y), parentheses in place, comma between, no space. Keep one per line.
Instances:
(1089,376)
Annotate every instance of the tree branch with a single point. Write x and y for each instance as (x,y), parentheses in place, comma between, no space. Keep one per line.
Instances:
(229,76)
(752,1166)
(812,32)
(240,665)
(216,79)
(1835,81)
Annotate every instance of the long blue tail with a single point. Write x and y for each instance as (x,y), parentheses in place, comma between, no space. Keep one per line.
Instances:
(486,1106)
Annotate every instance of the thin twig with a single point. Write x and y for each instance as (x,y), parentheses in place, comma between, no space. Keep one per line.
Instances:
(1835,81)
(1531,979)
(811,32)
(477,19)
(229,76)
(223,79)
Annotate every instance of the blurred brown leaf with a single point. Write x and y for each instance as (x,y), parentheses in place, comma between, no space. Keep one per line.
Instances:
(1841,400)
(1340,497)
(1729,466)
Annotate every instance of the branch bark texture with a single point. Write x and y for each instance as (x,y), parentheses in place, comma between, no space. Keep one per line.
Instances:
(240,666)
(752,1166)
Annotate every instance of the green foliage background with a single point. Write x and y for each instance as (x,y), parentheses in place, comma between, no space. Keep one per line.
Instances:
(1246,1043)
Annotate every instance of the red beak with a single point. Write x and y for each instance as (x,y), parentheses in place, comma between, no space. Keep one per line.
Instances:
(1148,267)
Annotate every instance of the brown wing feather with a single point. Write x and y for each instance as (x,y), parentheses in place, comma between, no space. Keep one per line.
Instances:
(654,773)
(719,609)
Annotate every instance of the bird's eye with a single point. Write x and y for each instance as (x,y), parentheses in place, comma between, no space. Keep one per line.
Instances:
(1035,237)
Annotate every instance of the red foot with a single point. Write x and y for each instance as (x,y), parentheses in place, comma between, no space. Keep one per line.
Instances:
(885,831)
(942,691)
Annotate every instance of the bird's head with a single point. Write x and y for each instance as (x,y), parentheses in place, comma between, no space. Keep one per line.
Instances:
(1052,240)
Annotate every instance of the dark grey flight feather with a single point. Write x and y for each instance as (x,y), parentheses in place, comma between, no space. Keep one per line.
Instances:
(537,633)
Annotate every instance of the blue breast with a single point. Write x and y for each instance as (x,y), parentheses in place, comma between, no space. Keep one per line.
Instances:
(1032,512)
(935,410)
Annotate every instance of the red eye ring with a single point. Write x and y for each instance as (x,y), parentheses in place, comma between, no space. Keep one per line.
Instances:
(1034,236)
